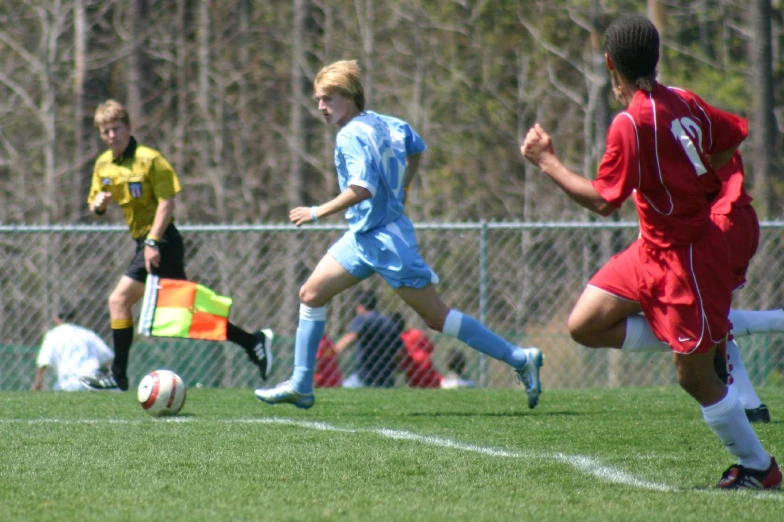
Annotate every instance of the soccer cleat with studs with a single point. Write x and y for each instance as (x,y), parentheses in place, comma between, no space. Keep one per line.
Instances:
(528,375)
(285,393)
(261,353)
(758,414)
(105,382)
(741,477)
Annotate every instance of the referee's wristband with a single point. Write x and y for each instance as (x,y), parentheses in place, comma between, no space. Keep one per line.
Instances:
(313,213)
(98,212)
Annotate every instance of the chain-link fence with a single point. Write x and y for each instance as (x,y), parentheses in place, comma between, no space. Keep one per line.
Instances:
(521,279)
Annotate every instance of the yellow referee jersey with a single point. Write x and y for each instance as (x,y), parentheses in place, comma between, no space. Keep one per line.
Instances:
(137,180)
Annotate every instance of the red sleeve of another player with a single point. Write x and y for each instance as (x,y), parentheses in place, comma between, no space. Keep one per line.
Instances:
(619,171)
(727,130)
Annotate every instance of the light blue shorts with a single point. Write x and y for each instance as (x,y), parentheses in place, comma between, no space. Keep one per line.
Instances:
(390,251)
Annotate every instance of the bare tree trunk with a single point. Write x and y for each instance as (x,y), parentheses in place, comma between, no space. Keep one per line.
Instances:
(52,24)
(296,185)
(705,27)
(83,173)
(296,190)
(212,124)
(366,30)
(329,141)
(245,115)
(181,82)
(763,122)
(657,12)
(137,11)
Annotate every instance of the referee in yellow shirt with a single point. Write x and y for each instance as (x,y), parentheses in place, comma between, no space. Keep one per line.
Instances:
(143,183)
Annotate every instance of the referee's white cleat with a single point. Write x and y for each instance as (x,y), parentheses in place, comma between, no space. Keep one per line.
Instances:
(285,393)
(528,375)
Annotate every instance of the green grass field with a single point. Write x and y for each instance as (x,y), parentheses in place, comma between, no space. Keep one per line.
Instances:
(599,454)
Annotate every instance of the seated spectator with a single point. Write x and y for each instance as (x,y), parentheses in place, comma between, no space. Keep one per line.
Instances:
(327,371)
(416,362)
(72,351)
(455,376)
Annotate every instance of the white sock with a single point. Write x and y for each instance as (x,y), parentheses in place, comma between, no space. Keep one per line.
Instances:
(640,338)
(739,379)
(728,421)
(747,322)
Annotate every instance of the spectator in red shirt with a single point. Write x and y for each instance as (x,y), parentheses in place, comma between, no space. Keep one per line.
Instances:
(416,362)
(327,370)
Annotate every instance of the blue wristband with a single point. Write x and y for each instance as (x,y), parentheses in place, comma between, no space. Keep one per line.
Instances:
(313,214)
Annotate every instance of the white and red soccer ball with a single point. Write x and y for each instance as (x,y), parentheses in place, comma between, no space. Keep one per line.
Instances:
(161,393)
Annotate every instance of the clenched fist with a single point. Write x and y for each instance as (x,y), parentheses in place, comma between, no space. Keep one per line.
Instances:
(537,144)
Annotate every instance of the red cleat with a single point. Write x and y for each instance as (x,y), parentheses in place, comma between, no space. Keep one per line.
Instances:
(741,477)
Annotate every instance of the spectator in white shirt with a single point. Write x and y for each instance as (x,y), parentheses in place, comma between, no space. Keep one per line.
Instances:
(73,351)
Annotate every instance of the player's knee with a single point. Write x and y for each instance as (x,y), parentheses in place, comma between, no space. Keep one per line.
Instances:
(434,317)
(690,382)
(309,297)
(433,322)
(117,300)
(580,331)
(120,305)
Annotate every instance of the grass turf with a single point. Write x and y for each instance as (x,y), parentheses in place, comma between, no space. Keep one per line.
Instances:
(595,454)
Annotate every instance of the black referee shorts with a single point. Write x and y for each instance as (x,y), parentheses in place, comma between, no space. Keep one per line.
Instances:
(172,258)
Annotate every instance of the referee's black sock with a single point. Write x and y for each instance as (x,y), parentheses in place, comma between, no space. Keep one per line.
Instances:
(122,335)
(239,336)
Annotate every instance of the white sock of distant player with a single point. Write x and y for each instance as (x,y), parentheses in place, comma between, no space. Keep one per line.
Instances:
(477,336)
(739,379)
(728,421)
(747,322)
(640,337)
(309,331)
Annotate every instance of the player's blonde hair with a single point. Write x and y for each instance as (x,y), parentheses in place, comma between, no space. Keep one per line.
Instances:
(111,111)
(342,77)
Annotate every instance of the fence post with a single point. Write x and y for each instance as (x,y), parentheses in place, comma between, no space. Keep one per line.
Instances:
(483,291)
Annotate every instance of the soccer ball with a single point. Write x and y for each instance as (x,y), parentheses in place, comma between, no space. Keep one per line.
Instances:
(161,392)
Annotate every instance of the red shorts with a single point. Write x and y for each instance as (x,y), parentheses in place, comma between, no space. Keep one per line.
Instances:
(741,233)
(684,292)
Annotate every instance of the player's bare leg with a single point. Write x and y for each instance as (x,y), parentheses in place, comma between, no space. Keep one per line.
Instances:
(438,316)
(598,320)
(328,279)
(724,414)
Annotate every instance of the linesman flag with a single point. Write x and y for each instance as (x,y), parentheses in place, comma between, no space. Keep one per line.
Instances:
(184,309)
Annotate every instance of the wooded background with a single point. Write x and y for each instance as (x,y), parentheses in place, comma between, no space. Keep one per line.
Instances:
(224,90)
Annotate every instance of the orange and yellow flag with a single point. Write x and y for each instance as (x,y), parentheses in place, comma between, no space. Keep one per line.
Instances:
(184,309)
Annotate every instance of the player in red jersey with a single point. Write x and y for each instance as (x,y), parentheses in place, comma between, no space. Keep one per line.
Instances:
(732,212)
(663,151)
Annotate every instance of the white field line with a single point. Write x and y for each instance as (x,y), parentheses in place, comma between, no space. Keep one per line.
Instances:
(585,464)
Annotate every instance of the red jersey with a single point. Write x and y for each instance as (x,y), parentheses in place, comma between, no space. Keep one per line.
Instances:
(416,363)
(657,150)
(732,193)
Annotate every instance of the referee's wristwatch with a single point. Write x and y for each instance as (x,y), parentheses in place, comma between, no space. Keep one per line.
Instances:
(150,242)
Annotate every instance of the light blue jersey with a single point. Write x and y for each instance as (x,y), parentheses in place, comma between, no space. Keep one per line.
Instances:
(370,152)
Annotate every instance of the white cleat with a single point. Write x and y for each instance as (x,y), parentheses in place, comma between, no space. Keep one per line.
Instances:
(285,393)
(528,375)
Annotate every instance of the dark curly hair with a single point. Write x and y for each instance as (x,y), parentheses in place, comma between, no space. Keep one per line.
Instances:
(632,42)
